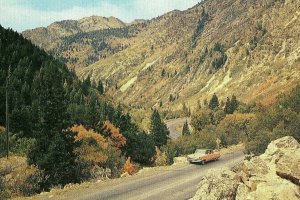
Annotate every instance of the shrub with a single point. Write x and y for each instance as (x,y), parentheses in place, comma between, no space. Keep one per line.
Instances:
(161,158)
(129,167)
(21,179)
(200,119)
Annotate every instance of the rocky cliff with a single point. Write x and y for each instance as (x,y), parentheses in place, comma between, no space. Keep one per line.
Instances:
(273,175)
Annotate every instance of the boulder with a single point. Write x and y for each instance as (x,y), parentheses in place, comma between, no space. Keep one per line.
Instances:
(242,192)
(273,175)
(277,147)
(274,188)
(218,184)
(288,167)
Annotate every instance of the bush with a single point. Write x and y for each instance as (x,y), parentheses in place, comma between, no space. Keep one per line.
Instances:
(274,122)
(17,146)
(3,193)
(234,127)
(201,118)
(21,179)
(161,158)
(129,167)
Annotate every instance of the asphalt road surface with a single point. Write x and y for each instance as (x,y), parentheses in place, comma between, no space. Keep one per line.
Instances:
(178,183)
(172,124)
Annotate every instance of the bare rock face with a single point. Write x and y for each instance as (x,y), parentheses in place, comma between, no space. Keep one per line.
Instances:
(219,185)
(288,167)
(273,175)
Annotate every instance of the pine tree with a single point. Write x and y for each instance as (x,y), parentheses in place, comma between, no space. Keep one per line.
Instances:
(91,112)
(100,87)
(53,151)
(158,130)
(163,73)
(214,102)
(234,104)
(171,98)
(185,129)
(227,108)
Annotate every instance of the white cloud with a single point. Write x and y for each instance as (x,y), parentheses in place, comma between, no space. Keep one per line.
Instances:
(21,17)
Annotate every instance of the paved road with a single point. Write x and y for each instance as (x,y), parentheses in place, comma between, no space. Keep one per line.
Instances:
(172,124)
(177,184)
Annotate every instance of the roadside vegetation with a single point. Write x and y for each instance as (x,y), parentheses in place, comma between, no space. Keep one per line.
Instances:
(234,122)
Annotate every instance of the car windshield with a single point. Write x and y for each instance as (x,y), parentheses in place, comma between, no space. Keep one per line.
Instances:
(202,151)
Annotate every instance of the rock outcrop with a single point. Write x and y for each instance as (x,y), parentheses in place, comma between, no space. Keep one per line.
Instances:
(273,175)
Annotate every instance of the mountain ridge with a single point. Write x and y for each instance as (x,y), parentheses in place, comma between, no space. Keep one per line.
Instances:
(228,47)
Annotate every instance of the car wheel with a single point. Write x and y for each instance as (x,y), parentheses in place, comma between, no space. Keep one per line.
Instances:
(203,162)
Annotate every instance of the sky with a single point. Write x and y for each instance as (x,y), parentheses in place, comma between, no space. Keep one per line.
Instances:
(28,14)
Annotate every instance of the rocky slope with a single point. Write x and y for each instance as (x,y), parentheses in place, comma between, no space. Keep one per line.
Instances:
(45,36)
(247,48)
(273,175)
(79,43)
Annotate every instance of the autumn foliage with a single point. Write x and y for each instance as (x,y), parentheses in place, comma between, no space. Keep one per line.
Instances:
(129,166)
(116,136)
(161,158)
(93,145)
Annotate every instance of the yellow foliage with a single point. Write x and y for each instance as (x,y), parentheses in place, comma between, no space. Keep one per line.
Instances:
(20,178)
(161,158)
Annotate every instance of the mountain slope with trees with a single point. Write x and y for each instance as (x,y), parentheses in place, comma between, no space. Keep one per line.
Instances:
(47,104)
(226,47)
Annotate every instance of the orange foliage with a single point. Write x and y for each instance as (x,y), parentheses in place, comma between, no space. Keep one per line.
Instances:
(93,147)
(116,136)
(83,133)
(129,167)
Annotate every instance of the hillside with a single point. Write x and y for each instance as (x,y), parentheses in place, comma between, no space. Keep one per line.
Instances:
(246,48)
(61,129)
(83,42)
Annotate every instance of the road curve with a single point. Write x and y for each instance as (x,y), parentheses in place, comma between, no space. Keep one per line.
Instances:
(173,123)
(177,184)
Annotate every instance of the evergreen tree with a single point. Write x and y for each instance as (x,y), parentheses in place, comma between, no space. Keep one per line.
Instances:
(92,110)
(171,98)
(227,108)
(53,151)
(163,73)
(185,110)
(158,130)
(214,102)
(223,141)
(86,84)
(234,104)
(100,87)
(185,129)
